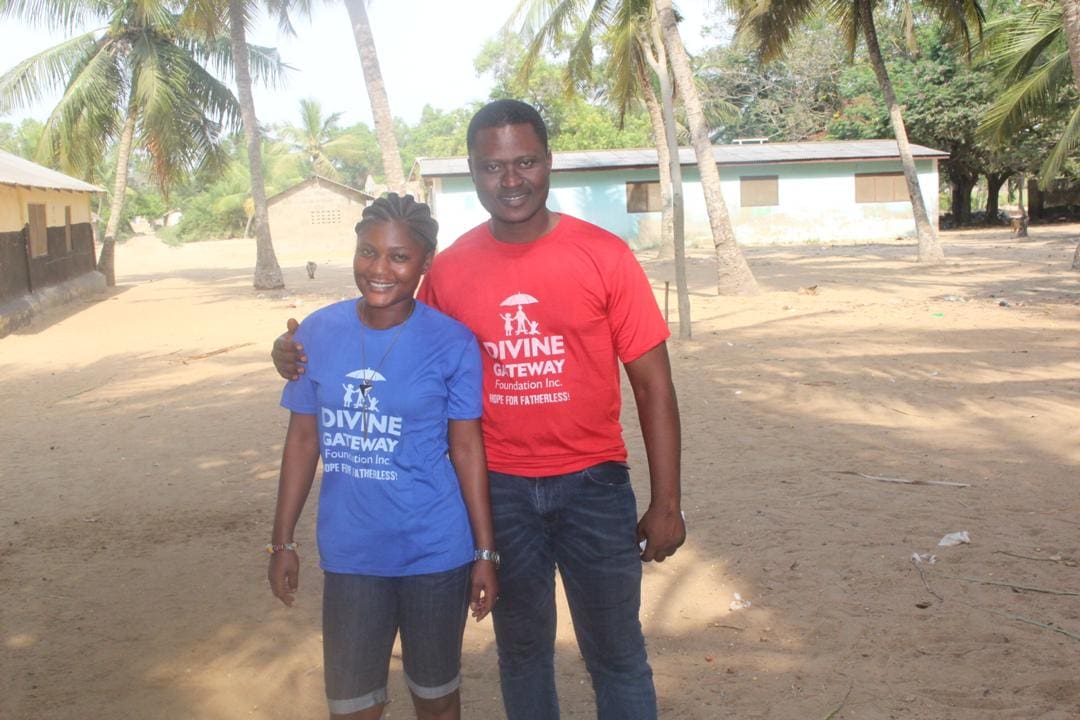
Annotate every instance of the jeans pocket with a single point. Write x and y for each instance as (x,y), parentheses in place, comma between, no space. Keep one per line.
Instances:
(609,474)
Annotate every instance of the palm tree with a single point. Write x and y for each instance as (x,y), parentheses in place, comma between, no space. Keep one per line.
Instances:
(376,90)
(635,57)
(267,270)
(1072,38)
(211,18)
(139,81)
(771,23)
(320,139)
(662,113)
(1038,61)
(733,274)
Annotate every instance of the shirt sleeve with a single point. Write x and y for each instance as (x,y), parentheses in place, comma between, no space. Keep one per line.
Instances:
(465,384)
(299,395)
(637,325)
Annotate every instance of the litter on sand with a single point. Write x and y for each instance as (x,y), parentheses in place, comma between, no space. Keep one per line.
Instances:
(738,603)
(956,538)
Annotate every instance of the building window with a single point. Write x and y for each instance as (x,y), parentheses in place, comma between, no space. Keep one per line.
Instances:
(326,217)
(39,238)
(880,187)
(67,228)
(759,191)
(643,197)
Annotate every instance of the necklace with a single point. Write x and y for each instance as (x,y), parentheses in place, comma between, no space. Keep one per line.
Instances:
(367,382)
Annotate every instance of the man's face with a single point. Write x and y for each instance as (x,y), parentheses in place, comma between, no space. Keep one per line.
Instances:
(510,169)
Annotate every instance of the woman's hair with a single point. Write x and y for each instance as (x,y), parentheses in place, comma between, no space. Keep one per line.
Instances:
(392,206)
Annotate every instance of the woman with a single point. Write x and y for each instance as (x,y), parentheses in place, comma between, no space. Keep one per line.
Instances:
(391,401)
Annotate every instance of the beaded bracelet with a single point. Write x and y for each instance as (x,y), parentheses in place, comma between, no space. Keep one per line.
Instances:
(275,549)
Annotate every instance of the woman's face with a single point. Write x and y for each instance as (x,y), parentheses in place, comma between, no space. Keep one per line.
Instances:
(389,263)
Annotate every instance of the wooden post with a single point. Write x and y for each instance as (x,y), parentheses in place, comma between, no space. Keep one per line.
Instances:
(667,292)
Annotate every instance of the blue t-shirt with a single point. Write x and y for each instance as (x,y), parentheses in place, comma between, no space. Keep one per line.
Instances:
(390,503)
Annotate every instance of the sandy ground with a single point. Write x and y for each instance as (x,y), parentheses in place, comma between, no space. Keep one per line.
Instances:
(142,436)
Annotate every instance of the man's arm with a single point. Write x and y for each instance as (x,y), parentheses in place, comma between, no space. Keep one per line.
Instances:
(661,526)
(288,355)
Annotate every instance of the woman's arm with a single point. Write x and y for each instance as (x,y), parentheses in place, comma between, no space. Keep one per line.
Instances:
(467,455)
(298,462)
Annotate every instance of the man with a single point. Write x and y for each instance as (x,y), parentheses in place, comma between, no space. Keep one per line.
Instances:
(557,303)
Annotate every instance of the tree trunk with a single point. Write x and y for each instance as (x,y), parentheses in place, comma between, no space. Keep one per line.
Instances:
(994,181)
(1036,204)
(267,271)
(376,90)
(666,251)
(733,274)
(107,260)
(961,198)
(1070,19)
(929,248)
(653,49)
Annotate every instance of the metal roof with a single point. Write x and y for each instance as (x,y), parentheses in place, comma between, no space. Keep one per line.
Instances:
(745,154)
(319,180)
(15,170)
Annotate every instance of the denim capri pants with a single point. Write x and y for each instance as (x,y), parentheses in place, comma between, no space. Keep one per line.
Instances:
(362,614)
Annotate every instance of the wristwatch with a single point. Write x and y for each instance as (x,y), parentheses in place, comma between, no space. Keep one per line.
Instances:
(492,555)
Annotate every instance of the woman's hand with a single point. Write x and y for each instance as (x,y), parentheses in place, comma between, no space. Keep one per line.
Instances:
(284,575)
(485,588)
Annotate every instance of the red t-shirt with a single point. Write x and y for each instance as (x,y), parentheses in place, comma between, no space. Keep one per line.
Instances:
(554,316)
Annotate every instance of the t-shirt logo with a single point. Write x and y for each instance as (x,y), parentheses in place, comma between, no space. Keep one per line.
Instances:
(527,364)
(518,323)
(360,395)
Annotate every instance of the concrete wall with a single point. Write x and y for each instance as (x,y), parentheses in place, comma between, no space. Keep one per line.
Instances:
(305,216)
(20,274)
(816,204)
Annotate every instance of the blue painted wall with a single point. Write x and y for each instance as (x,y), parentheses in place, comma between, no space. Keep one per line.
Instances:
(816,204)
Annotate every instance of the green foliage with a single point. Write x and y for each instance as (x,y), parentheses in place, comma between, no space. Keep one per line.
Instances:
(863,115)
(21,139)
(579,120)
(790,99)
(1028,49)
(439,133)
(346,155)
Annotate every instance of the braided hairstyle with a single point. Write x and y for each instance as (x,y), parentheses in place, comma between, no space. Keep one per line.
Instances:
(403,208)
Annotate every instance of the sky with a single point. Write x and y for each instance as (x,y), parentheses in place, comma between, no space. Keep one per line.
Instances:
(426,51)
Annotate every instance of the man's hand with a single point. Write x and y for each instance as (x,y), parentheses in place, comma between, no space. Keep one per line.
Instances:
(663,531)
(287,355)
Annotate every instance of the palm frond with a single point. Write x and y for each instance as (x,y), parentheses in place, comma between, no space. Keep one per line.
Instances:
(959,19)
(1063,150)
(46,72)
(1032,96)
(1017,43)
(768,25)
(65,15)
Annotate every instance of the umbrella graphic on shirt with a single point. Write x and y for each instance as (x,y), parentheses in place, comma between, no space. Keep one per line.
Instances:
(361,393)
(367,374)
(519,299)
(518,323)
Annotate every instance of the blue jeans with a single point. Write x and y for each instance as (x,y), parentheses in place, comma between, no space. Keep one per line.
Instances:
(585,524)
(361,616)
